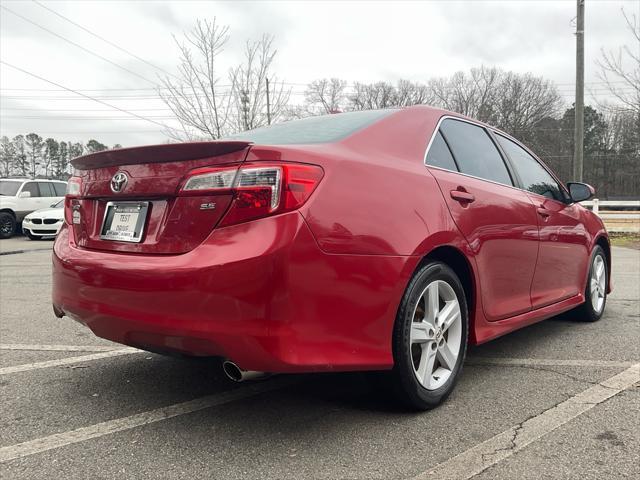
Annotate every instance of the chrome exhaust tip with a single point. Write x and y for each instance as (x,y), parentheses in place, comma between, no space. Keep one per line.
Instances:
(235,373)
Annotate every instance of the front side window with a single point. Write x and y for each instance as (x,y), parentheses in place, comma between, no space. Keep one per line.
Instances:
(32,188)
(474,151)
(534,177)
(439,154)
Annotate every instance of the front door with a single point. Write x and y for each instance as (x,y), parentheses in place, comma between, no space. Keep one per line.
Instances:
(563,239)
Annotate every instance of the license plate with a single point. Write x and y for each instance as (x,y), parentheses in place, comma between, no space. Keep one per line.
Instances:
(124,221)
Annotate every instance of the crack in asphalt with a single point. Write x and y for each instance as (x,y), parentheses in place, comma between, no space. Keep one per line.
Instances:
(487,458)
(563,374)
(512,444)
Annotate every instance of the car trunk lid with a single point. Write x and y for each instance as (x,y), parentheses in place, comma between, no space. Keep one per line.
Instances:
(144,182)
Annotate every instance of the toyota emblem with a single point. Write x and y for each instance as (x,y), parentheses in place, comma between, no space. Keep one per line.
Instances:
(118,182)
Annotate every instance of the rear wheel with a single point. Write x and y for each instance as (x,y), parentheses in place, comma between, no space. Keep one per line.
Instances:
(596,291)
(7,225)
(430,337)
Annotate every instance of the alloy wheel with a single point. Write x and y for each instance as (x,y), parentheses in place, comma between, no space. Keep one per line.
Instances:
(6,226)
(598,283)
(436,334)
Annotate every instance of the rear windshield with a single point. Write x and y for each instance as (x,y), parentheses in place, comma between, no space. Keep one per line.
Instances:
(323,129)
(9,188)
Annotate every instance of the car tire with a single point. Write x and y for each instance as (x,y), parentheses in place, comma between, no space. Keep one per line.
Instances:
(595,293)
(429,344)
(31,235)
(7,225)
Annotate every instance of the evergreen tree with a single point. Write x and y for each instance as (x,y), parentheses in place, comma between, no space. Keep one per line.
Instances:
(94,146)
(20,159)
(34,146)
(51,153)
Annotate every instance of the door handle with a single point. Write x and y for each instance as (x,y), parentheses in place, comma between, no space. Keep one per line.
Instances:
(543,212)
(462,196)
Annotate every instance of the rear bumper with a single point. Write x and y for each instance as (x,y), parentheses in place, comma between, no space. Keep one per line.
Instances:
(261,294)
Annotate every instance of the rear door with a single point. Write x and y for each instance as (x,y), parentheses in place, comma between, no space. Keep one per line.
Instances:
(563,238)
(498,220)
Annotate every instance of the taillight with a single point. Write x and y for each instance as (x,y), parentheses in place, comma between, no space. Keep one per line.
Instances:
(258,190)
(71,205)
(73,186)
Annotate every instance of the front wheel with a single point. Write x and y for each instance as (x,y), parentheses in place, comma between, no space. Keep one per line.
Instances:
(430,337)
(596,291)
(7,225)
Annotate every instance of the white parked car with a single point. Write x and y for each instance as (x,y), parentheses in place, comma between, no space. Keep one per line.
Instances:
(44,222)
(19,197)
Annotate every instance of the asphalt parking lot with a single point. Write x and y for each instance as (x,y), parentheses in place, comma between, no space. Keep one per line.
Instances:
(559,399)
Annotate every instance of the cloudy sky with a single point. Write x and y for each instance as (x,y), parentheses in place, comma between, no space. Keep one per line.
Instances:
(356,41)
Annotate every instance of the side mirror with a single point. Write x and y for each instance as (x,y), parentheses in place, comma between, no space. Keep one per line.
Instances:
(580,191)
(24,195)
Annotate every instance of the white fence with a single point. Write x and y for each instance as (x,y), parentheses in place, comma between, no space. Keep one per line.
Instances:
(595,204)
(623,221)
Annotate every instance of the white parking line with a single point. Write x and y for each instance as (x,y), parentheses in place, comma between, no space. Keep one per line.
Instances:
(546,362)
(57,348)
(66,361)
(126,423)
(488,453)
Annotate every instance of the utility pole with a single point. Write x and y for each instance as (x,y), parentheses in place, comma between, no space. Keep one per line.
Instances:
(268,104)
(578,151)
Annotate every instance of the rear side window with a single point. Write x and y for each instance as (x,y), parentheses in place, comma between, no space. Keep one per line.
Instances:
(474,151)
(46,189)
(533,175)
(322,129)
(32,188)
(439,154)
(60,188)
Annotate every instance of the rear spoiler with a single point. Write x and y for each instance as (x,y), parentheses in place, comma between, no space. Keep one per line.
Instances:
(170,152)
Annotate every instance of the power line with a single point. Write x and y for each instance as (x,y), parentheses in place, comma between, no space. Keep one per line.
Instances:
(82,109)
(81,94)
(102,38)
(566,87)
(39,117)
(76,45)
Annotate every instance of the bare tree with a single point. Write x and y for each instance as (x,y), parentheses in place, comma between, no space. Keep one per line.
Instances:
(621,70)
(523,101)
(412,93)
(512,101)
(326,95)
(252,106)
(372,96)
(194,96)
(472,94)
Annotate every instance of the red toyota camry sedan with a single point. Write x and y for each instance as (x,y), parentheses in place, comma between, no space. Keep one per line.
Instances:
(373,240)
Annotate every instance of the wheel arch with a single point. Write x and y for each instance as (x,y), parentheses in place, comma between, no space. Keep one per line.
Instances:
(461,265)
(603,242)
(8,210)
